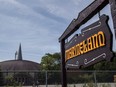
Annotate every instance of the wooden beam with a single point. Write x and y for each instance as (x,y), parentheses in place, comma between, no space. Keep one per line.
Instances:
(113,12)
(83,17)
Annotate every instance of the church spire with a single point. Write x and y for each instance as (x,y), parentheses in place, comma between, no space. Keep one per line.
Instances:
(19,55)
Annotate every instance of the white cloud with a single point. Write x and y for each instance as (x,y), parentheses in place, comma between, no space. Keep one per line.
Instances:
(16,9)
(22,23)
(37,24)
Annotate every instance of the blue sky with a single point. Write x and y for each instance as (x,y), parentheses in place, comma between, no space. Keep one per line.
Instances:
(36,24)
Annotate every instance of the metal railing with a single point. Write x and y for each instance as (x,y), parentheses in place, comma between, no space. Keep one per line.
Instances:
(30,78)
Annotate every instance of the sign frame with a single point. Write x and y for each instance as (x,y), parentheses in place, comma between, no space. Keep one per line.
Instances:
(82,18)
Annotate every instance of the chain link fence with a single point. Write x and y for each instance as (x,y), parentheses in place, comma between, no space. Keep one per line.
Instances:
(53,78)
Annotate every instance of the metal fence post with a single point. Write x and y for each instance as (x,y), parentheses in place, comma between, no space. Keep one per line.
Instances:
(95,78)
(46,79)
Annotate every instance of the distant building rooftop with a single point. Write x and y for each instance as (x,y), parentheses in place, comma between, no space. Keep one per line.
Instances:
(19,63)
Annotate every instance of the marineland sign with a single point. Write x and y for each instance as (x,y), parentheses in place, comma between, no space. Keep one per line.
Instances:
(91,46)
(94,44)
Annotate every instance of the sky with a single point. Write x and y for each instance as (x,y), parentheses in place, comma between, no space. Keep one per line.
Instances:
(36,24)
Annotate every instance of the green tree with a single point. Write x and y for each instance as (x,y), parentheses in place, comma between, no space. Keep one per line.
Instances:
(51,61)
(1,78)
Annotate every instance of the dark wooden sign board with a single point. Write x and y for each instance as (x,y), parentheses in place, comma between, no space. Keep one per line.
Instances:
(93,45)
(83,17)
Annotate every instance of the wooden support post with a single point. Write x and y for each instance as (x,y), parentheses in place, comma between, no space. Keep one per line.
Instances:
(113,13)
(64,79)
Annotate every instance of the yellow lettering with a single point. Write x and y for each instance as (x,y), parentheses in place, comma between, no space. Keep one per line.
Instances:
(81,47)
(89,42)
(72,52)
(95,41)
(85,46)
(78,49)
(101,38)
